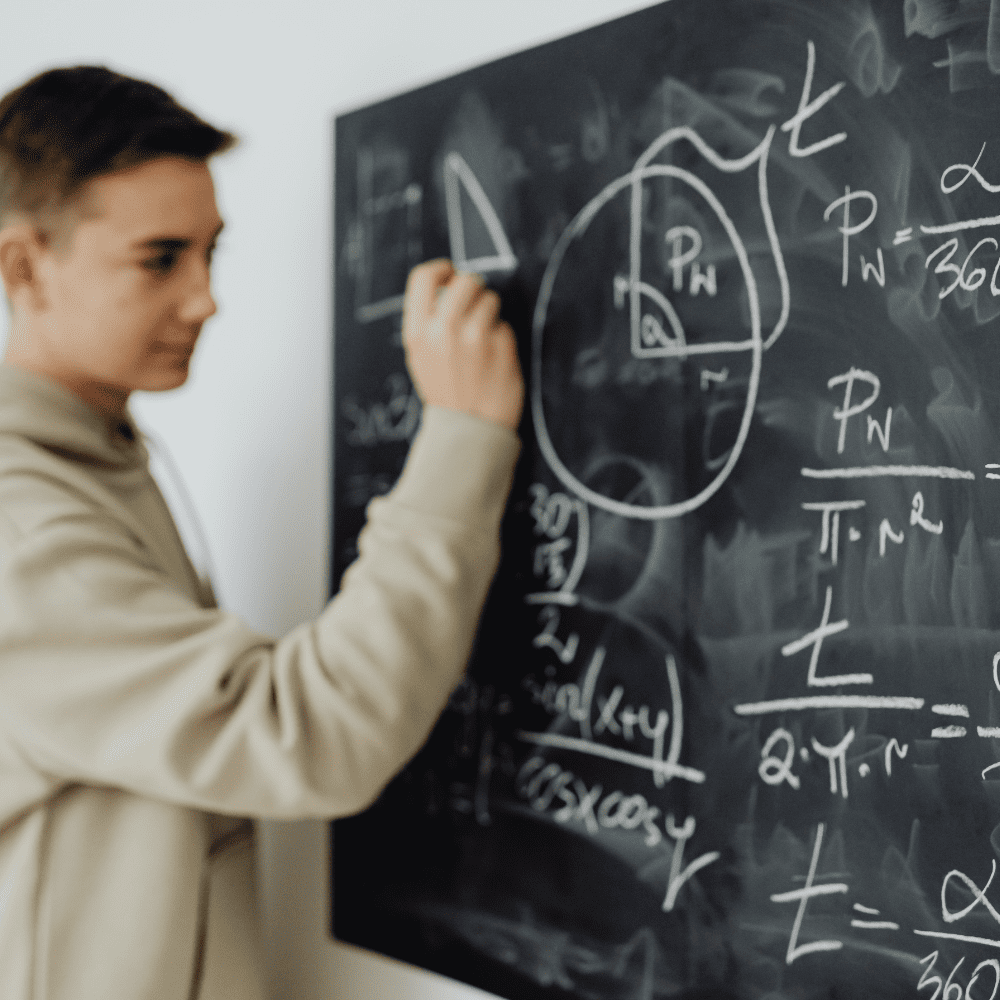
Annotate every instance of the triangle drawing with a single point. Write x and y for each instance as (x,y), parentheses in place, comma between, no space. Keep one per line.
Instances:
(457,174)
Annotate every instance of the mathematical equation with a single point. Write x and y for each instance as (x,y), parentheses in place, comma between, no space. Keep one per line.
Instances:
(598,730)
(869,919)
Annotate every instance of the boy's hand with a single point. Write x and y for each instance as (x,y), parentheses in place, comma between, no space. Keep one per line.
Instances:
(459,354)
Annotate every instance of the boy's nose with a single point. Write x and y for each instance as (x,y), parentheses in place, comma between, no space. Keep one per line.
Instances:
(199,303)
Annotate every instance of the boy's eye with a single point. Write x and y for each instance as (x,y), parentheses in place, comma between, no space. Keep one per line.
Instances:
(162,263)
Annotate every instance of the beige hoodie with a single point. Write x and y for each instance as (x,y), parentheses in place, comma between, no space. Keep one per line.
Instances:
(136,718)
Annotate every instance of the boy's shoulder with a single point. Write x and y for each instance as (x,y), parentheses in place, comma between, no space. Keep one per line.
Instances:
(38,487)
(57,457)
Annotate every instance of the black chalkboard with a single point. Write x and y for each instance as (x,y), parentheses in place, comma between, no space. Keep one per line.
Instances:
(732,727)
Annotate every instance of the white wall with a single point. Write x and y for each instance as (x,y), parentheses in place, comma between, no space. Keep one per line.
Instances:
(250,430)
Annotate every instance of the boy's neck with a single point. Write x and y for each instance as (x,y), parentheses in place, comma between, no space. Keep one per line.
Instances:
(108,400)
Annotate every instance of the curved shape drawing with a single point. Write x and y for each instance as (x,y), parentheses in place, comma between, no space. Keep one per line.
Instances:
(648,337)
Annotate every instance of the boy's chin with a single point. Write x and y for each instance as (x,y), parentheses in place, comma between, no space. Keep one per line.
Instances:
(169,377)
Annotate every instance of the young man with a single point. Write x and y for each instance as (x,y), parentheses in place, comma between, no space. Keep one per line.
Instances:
(138,722)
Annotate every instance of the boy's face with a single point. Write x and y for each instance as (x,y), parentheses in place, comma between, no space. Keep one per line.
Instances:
(125,300)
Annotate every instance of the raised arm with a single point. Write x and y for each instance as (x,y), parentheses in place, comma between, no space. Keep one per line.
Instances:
(114,676)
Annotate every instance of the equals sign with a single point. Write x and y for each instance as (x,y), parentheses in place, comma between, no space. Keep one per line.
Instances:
(950,732)
(992,475)
(903,236)
(873,925)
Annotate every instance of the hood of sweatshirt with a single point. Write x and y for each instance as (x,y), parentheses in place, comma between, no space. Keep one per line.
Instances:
(53,417)
(91,455)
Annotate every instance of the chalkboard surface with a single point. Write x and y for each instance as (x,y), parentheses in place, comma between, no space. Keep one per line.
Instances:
(732,726)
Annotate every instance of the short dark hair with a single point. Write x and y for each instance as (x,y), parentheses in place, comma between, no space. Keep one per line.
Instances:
(65,127)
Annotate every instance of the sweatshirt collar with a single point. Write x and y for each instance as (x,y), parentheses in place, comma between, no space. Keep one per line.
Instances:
(52,416)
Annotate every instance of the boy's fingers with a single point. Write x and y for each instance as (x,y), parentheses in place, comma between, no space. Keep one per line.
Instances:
(505,345)
(459,296)
(484,313)
(422,287)
(481,323)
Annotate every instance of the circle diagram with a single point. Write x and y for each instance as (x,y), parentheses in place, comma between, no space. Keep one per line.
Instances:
(646,337)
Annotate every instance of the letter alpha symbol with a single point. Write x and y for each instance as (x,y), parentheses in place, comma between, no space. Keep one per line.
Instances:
(457,175)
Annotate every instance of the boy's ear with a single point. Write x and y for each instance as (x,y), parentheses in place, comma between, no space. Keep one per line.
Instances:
(21,250)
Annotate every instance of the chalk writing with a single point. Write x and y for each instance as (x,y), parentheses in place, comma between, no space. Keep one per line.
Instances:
(553,514)
(943,988)
(802,896)
(458,177)
(830,523)
(815,640)
(566,651)
(808,108)
(844,413)
(893,747)
(774,770)
(546,785)
(736,655)
(396,419)
(847,229)
(655,327)
(385,240)
(578,702)
(837,758)
(679,876)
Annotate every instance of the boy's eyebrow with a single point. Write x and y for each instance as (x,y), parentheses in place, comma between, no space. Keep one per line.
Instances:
(170,242)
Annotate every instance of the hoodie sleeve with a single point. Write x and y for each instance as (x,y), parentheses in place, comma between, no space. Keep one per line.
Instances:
(113,676)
